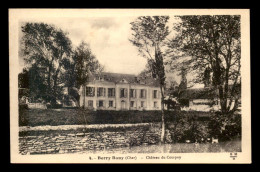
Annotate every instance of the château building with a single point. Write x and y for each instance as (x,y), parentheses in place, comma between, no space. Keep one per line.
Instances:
(113,91)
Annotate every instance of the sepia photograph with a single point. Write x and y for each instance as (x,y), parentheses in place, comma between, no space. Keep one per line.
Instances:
(129,86)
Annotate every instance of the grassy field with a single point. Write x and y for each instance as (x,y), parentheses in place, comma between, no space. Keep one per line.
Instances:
(53,117)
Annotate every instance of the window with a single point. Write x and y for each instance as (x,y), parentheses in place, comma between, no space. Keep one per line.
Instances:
(110,103)
(111,92)
(142,103)
(155,94)
(101,92)
(90,103)
(123,92)
(155,104)
(100,103)
(132,93)
(143,93)
(132,103)
(90,91)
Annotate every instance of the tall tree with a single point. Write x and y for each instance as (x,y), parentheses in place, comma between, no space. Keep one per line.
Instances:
(149,33)
(79,67)
(212,43)
(183,84)
(45,46)
(33,80)
(23,79)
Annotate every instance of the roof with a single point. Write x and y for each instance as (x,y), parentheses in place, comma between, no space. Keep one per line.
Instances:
(204,93)
(129,78)
(198,93)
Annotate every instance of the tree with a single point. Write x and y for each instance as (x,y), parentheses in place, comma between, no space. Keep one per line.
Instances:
(45,47)
(207,79)
(171,84)
(33,80)
(23,79)
(213,42)
(79,67)
(183,84)
(148,36)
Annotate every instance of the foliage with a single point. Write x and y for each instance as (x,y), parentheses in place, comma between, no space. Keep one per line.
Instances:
(23,79)
(212,43)
(187,127)
(44,48)
(149,33)
(184,102)
(82,64)
(32,80)
(35,117)
(225,127)
(23,107)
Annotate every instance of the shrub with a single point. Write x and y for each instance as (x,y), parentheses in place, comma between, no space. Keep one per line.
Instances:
(187,127)
(225,126)
(184,102)
(35,117)
(54,106)
(23,107)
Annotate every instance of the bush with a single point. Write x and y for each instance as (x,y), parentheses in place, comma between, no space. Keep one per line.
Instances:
(184,102)
(187,127)
(54,106)
(225,126)
(35,117)
(23,107)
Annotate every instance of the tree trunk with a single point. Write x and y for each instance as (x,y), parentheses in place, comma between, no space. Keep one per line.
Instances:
(163,128)
(49,80)
(84,95)
(49,76)
(163,116)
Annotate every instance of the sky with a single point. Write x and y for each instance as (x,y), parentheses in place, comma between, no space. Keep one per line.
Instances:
(108,38)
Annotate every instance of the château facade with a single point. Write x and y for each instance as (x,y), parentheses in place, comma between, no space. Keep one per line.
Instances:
(113,91)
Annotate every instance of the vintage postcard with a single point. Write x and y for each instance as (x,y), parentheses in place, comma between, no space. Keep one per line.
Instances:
(130,86)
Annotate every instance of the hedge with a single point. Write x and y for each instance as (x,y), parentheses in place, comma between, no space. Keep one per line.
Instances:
(36,117)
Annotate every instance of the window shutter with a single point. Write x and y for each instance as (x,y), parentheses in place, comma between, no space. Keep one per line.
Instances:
(104,92)
(97,103)
(125,92)
(144,93)
(121,92)
(134,93)
(93,91)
